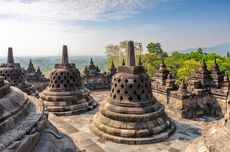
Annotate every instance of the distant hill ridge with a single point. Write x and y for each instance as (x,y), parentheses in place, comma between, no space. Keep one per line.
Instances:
(220,49)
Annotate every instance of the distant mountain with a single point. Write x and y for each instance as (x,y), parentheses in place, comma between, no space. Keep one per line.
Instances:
(220,49)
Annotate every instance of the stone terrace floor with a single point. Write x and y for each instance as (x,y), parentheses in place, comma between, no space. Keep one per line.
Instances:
(77,127)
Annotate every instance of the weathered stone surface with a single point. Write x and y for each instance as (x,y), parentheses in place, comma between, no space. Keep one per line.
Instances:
(206,93)
(14,74)
(131,115)
(36,78)
(94,80)
(65,94)
(215,138)
(24,125)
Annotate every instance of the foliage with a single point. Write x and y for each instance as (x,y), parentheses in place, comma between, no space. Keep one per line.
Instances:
(116,53)
(181,65)
(46,64)
(155,48)
(199,50)
(186,70)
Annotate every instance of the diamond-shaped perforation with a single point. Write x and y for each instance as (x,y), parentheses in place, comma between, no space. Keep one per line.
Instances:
(132,90)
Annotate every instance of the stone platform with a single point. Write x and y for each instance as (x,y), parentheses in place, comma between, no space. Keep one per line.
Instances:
(78,128)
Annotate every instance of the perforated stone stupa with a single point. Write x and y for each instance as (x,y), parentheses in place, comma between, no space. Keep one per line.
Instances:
(24,126)
(131,115)
(65,94)
(14,74)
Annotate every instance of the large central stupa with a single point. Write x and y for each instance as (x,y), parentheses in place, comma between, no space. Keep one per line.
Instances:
(65,94)
(131,115)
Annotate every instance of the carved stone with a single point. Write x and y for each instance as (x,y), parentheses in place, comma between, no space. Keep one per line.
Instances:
(14,74)
(215,138)
(131,115)
(65,95)
(206,93)
(36,78)
(94,80)
(24,126)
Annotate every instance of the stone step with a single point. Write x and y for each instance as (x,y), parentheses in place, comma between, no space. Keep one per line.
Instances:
(75,111)
(133,141)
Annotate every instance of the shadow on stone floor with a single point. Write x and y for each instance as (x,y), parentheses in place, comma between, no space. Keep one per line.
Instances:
(185,132)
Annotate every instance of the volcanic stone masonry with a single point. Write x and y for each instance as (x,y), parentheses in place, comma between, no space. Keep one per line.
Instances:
(215,138)
(14,74)
(206,93)
(24,126)
(94,80)
(36,78)
(65,94)
(131,115)
(33,75)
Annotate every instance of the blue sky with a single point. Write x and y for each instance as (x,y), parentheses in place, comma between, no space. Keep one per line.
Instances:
(41,27)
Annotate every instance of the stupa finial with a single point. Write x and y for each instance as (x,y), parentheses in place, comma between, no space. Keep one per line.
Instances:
(140,62)
(130,59)
(65,58)
(10,58)
(214,60)
(123,62)
(91,60)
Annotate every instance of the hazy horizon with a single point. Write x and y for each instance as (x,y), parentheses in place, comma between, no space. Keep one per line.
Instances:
(40,28)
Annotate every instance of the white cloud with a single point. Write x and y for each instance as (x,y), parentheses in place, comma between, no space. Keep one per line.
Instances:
(93,10)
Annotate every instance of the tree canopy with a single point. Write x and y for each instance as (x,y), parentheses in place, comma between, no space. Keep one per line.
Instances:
(181,65)
(155,48)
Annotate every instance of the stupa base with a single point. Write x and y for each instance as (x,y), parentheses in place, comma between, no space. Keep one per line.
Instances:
(80,108)
(131,140)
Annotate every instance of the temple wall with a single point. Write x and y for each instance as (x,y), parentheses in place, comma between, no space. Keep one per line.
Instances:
(192,106)
(160,96)
(222,102)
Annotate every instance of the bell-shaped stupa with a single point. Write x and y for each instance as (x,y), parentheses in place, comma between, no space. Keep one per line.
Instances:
(14,74)
(65,94)
(24,126)
(131,115)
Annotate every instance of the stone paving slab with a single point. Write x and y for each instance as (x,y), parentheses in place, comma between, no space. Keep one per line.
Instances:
(186,132)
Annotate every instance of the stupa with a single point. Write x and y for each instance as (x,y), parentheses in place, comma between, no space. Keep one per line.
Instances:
(65,94)
(216,75)
(161,75)
(35,77)
(205,94)
(93,79)
(24,126)
(31,68)
(201,79)
(131,115)
(112,69)
(14,74)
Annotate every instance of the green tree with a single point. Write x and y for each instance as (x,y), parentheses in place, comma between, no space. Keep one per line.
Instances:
(228,55)
(155,48)
(199,50)
(187,70)
(151,63)
(116,53)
